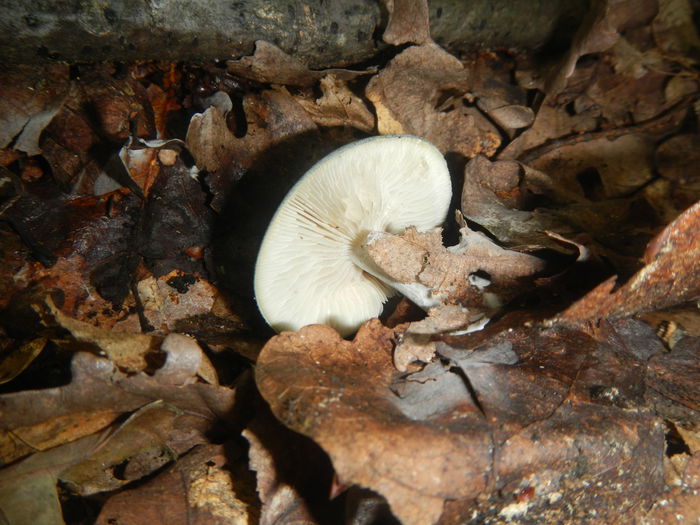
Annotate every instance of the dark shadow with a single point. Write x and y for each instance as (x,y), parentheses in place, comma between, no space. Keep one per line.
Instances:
(241,225)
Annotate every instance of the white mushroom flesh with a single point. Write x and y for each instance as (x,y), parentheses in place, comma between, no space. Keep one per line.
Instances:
(305,272)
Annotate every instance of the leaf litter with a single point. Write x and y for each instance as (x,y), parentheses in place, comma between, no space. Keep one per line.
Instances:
(552,379)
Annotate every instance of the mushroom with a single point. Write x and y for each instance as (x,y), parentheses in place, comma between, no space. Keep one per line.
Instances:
(312,266)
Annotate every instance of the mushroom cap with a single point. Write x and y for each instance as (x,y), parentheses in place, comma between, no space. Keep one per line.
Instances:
(304,272)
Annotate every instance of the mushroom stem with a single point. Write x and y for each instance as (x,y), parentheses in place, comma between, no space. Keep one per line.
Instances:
(418,293)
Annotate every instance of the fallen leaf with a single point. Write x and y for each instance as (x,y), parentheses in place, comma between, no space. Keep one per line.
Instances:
(338,106)
(175,219)
(293,475)
(676,159)
(547,409)
(269,64)
(408,93)
(673,27)
(601,168)
(597,32)
(28,492)
(153,436)
(98,393)
(17,359)
(31,98)
(198,489)
(182,302)
(128,351)
(670,277)
(412,463)
(408,22)
(271,119)
(476,274)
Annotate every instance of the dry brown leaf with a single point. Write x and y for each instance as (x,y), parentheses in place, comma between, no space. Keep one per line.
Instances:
(31,98)
(597,33)
(670,277)
(489,187)
(208,139)
(414,465)
(15,360)
(198,489)
(19,441)
(98,393)
(408,22)
(152,437)
(476,274)
(291,472)
(128,351)
(674,28)
(28,491)
(338,106)
(551,121)
(409,94)
(678,158)
(542,412)
(617,167)
(271,118)
(269,64)
(512,117)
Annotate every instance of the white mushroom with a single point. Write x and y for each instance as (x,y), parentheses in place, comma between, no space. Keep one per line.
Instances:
(311,267)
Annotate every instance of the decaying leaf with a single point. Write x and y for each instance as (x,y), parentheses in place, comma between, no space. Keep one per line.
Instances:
(14,360)
(408,22)
(31,98)
(126,350)
(198,489)
(338,106)
(475,274)
(674,252)
(410,96)
(269,64)
(97,394)
(541,410)
(293,475)
(182,302)
(152,437)
(28,492)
